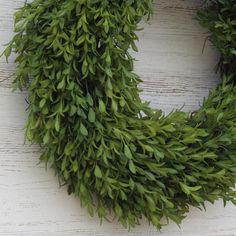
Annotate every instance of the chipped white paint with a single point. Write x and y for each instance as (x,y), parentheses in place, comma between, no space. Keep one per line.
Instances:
(175,72)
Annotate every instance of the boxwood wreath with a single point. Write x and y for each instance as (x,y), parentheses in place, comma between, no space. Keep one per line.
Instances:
(110,148)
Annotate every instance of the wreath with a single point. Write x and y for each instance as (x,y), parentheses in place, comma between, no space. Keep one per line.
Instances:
(110,148)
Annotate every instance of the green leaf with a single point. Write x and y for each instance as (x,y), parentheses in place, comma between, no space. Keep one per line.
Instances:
(151,203)
(155,220)
(168,203)
(29,134)
(69,148)
(91,115)
(46,138)
(90,210)
(73,110)
(98,172)
(108,72)
(134,47)
(64,164)
(102,107)
(122,102)
(89,99)
(114,105)
(61,85)
(83,130)
(197,198)
(42,103)
(158,154)
(75,166)
(108,59)
(186,189)
(118,210)
(80,40)
(84,67)
(128,153)
(131,184)
(169,128)
(57,123)
(109,84)
(132,167)
(106,26)
(7,52)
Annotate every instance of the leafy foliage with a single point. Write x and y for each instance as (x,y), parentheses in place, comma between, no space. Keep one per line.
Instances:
(85,111)
(220,17)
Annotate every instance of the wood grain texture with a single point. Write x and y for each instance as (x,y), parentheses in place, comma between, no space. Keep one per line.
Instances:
(175,73)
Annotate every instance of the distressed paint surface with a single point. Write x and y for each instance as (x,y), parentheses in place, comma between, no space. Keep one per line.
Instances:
(175,73)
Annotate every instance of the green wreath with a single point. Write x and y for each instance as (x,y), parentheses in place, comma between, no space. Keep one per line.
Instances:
(111,149)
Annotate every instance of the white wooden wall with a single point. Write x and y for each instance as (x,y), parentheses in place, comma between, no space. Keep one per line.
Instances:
(175,72)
